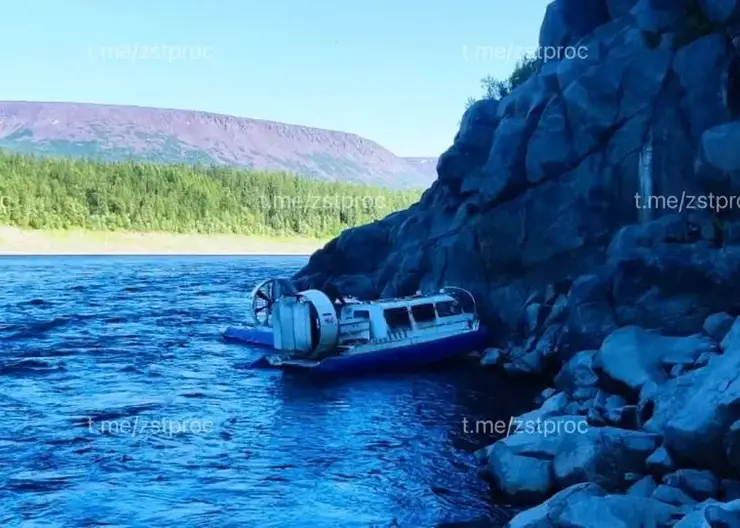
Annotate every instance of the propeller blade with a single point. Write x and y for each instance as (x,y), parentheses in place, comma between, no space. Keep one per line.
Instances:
(262,295)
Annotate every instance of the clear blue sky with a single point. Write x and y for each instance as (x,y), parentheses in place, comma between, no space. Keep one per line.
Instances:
(393,71)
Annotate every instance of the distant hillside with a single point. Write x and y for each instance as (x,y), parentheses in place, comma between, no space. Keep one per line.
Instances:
(426,166)
(115,133)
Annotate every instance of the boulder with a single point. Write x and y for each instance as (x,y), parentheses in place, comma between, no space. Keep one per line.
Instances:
(541,516)
(597,409)
(559,311)
(545,395)
(717,325)
(695,430)
(492,357)
(612,409)
(577,373)
(534,315)
(643,487)
(722,516)
(718,11)
(520,476)
(520,465)
(615,511)
(632,356)
(577,407)
(699,484)
(712,514)
(716,147)
(624,416)
(671,495)
(660,462)
(659,404)
(550,344)
(553,406)
(603,456)
(584,396)
(526,364)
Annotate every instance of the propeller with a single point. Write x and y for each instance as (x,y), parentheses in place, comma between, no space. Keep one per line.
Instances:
(264,297)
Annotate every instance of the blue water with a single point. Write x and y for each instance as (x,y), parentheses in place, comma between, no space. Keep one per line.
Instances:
(93,350)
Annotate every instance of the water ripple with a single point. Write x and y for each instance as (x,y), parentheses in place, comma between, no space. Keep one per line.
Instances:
(122,407)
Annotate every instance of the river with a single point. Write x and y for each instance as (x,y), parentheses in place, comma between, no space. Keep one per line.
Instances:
(121,406)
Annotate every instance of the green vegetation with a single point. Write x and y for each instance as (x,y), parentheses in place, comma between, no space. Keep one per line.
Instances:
(45,193)
(494,88)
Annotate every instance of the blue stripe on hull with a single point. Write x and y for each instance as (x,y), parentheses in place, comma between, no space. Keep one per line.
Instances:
(252,336)
(411,356)
(399,358)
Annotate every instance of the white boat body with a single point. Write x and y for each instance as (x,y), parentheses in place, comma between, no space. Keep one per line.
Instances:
(308,331)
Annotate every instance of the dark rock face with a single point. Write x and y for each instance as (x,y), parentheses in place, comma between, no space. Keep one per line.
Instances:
(536,186)
(545,209)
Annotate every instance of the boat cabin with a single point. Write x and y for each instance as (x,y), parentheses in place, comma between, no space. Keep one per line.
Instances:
(377,321)
(310,323)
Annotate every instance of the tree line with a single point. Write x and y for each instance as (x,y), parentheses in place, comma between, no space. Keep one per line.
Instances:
(48,193)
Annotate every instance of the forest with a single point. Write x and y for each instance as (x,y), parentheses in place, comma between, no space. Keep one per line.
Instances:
(50,193)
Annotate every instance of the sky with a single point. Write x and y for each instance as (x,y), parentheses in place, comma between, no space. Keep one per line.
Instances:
(397,72)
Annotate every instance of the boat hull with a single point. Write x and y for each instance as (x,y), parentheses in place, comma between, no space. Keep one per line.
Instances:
(257,336)
(404,357)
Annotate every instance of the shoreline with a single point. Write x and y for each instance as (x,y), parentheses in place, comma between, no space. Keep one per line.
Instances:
(27,242)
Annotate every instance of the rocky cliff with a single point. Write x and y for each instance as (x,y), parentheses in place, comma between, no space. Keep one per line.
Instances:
(537,186)
(594,214)
(114,133)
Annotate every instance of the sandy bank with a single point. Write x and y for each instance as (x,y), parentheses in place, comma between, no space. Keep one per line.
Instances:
(15,241)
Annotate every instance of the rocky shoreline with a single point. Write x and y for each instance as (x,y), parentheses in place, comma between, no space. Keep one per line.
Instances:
(644,431)
(629,312)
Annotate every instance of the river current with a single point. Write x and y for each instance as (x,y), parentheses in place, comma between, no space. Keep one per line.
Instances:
(121,406)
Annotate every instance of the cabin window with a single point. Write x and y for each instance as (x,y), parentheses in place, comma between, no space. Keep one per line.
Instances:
(423,313)
(362,314)
(397,318)
(449,308)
